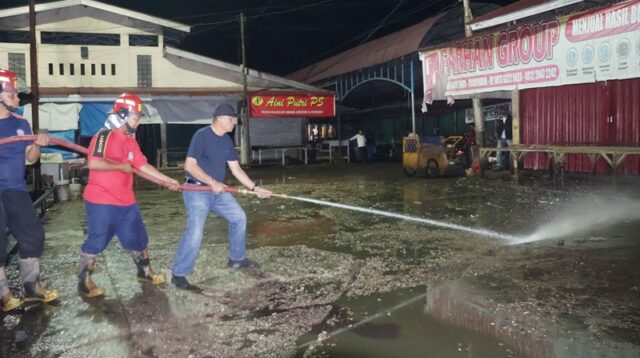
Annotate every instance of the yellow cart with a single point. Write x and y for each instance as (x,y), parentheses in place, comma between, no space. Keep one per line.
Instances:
(434,155)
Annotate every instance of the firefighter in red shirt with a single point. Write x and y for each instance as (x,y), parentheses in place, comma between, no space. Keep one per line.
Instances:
(109,200)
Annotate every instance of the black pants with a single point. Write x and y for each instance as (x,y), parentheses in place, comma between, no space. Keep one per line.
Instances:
(18,215)
(362,154)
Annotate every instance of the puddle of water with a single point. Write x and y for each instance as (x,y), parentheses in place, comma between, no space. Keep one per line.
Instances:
(395,325)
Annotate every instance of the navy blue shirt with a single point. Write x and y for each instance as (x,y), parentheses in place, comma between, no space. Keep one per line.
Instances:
(212,152)
(12,156)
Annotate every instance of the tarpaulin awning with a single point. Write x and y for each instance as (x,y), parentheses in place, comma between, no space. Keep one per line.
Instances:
(189,111)
(56,117)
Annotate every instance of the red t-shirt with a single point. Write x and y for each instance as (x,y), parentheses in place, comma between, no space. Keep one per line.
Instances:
(113,187)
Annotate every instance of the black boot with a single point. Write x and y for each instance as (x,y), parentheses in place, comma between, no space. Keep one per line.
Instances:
(145,273)
(86,286)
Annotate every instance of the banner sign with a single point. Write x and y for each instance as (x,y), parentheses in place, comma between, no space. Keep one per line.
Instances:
(598,45)
(491,113)
(292,105)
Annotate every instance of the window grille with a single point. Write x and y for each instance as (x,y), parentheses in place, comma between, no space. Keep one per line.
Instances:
(144,71)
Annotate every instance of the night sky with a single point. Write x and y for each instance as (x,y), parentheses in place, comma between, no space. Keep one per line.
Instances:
(283,36)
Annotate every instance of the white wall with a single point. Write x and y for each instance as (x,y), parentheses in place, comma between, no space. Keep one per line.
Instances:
(164,73)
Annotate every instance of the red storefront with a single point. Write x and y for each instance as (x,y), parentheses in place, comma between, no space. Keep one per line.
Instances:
(578,78)
(601,113)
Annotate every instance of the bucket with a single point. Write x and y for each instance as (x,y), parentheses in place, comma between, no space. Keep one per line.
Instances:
(75,190)
(62,190)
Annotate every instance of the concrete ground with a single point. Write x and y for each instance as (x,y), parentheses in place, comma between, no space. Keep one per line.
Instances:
(334,282)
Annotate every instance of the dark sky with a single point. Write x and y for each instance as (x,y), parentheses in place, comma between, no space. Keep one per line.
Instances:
(284,35)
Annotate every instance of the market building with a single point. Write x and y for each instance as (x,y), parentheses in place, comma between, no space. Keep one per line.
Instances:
(90,52)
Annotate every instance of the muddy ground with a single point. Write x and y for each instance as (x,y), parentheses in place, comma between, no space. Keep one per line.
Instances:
(327,273)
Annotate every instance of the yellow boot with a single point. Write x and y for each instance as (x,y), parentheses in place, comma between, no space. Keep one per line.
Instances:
(10,303)
(145,273)
(34,292)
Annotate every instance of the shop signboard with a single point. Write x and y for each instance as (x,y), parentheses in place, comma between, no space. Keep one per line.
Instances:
(597,45)
(491,113)
(266,105)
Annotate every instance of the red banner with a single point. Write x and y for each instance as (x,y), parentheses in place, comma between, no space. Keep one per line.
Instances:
(292,105)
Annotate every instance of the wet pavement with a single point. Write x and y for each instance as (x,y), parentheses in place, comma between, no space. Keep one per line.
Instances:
(341,283)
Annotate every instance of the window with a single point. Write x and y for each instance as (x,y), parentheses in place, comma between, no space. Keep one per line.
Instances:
(61,69)
(103,69)
(72,70)
(15,36)
(93,69)
(82,69)
(113,69)
(143,40)
(17,66)
(51,68)
(79,38)
(144,71)
(84,52)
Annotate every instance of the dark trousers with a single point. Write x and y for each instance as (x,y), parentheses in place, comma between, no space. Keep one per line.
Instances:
(106,221)
(18,215)
(362,154)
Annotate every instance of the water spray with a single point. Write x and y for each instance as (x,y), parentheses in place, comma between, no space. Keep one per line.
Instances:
(431,222)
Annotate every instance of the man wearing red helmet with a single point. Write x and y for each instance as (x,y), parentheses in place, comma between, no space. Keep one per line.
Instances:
(16,208)
(109,200)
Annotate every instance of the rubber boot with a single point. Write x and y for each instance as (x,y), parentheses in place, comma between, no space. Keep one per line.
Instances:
(145,273)
(30,277)
(9,303)
(86,286)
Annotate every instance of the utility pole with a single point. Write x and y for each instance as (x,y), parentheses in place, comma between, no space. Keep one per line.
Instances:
(245,147)
(33,63)
(478,115)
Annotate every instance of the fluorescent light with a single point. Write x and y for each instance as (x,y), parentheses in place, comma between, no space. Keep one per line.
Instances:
(520,14)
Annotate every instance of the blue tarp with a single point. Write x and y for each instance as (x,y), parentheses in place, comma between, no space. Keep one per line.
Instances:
(92,117)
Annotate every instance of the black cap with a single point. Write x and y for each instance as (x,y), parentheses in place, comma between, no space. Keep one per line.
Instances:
(225,110)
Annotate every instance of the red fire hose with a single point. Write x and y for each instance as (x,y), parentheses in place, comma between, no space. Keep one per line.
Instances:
(83,150)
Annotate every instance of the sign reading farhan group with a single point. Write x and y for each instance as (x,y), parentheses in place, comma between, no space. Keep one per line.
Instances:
(292,105)
(598,45)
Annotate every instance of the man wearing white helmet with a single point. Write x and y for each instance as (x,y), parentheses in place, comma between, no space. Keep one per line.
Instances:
(16,209)
(109,200)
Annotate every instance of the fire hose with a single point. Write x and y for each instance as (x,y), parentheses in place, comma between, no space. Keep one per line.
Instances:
(151,178)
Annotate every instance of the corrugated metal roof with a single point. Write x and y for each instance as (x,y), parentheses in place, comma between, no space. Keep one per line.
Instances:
(257,80)
(23,12)
(368,54)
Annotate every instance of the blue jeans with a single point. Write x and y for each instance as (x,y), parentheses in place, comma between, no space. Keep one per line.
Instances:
(199,204)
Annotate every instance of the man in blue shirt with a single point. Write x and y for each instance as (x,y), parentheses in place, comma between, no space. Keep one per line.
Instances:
(210,151)
(16,209)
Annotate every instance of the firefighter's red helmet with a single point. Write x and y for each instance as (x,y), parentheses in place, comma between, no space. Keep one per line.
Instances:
(127,103)
(8,81)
